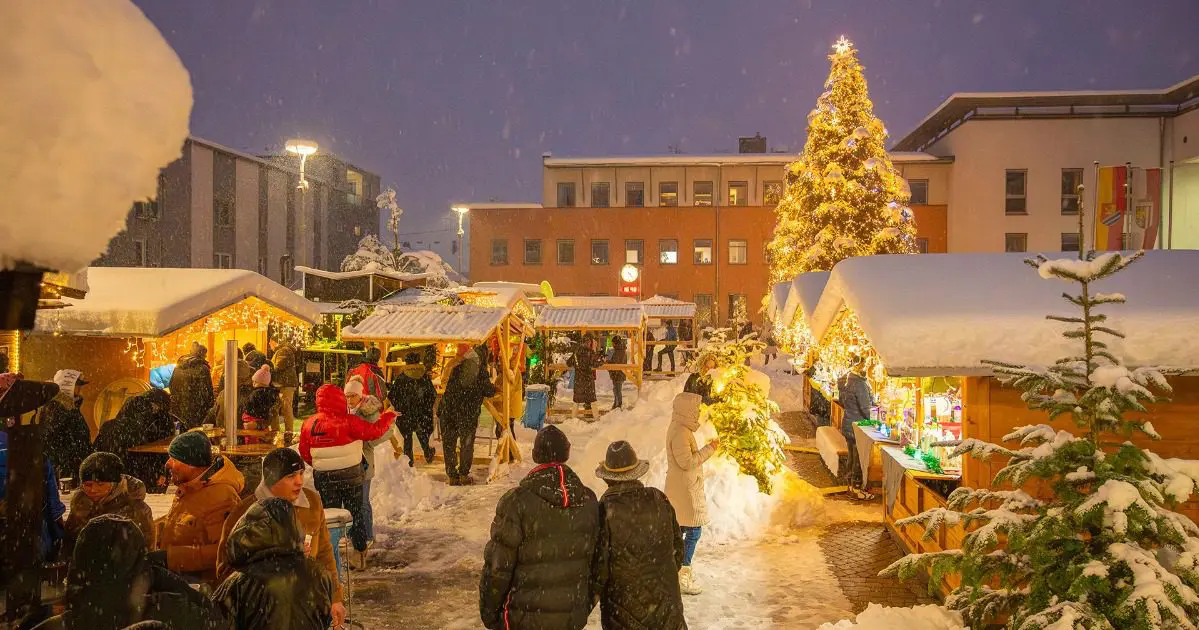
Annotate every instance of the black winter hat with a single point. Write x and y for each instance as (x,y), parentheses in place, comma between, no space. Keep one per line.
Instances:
(280,463)
(412,358)
(192,448)
(551,446)
(101,466)
(373,355)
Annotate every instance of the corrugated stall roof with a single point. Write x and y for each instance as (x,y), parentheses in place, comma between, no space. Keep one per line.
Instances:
(433,322)
(599,318)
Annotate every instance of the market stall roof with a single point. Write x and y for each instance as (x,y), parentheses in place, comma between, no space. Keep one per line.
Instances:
(529,289)
(942,314)
(590,300)
(778,299)
(619,317)
(805,295)
(428,323)
(152,302)
(662,307)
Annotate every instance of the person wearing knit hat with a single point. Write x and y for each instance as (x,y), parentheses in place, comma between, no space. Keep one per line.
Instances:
(551,446)
(65,431)
(207,487)
(106,489)
(263,398)
(283,478)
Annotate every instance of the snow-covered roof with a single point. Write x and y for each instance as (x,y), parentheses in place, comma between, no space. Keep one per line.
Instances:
(594,317)
(590,300)
(709,159)
(362,273)
(428,323)
(662,307)
(498,205)
(151,302)
(527,288)
(942,314)
(807,289)
(778,299)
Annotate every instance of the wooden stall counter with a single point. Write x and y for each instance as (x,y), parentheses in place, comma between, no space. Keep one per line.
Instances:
(909,488)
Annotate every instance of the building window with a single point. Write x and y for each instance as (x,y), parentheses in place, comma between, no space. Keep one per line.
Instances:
(600,193)
(634,252)
(634,194)
(566,252)
(599,251)
(221,260)
(922,244)
(532,251)
(1069,241)
(738,252)
(566,194)
(704,314)
(1071,180)
(668,251)
(1015,242)
(738,194)
(499,251)
(702,251)
(772,192)
(668,194)
(139,253)
(222,213)
(919,190)
(1015,186)
(701,193)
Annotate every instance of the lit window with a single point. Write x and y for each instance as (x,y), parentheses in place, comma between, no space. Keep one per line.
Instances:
(772,192)
(668,251)
(600,193)
(634,194)
(1015,187)
(599,252)
(634,251)
(738,194)
(701,193)
(532,251)
(1071,180)
(738,252)
(919,190)
(702,251)
(668,194)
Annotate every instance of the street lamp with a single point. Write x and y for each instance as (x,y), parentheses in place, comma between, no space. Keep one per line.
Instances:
(302,148)
(461,210)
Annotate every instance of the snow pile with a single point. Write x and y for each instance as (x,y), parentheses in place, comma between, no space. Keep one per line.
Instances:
(736,509)
(95,103)
(399,489)
(372,255)
(425,261)
(877,617)
(786,390)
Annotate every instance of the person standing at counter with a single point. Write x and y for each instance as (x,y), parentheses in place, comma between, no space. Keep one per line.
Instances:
(853,394)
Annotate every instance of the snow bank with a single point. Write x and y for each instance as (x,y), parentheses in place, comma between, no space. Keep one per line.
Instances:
(95,103)
(736,509)
(786,390)
(400,489)
(877,617)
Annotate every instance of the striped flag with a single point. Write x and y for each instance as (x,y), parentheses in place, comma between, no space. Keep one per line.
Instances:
(1146,207)
(1111,205)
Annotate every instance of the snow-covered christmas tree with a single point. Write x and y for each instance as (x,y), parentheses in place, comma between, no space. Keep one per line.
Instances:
(1099,546)
(843,197)
(372,255)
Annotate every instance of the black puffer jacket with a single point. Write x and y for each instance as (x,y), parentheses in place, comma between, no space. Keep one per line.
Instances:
(108,572)
(143,418)
(191,390)
(468,386)
(412,396)
(640,581)
(68,439)
(540,568)
(261,401)
(273,584)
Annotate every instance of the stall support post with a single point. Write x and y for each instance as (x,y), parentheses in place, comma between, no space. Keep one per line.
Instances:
(230,401)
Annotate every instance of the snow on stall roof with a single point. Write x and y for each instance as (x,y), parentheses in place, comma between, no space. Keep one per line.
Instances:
(432,322)
(778,299)
(362,273)
(942,314)
(527,288)
(604,317)
(803,295)
(590,300)
(662,307)
(151,302)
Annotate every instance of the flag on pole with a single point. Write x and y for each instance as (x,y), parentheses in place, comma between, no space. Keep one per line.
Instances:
(1147,207)
(1111,204)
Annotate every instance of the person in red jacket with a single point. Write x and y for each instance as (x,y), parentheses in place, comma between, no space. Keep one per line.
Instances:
(331,442)
(372,375)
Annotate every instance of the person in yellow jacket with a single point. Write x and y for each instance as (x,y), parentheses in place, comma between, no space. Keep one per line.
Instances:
(208,488)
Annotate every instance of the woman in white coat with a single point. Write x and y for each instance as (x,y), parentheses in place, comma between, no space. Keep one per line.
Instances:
(685,480)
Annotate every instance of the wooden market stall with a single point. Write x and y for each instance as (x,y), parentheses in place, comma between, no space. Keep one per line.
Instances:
(493,320)
(136,319)
(925,324)
(660,308)
(621,318)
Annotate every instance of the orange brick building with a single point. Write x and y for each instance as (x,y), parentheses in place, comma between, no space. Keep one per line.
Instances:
(696,225)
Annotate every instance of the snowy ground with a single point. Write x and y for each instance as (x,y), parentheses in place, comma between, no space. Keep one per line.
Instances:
(759,557)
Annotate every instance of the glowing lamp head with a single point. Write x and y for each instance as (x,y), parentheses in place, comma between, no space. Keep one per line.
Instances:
(300,147)
(460,209)
(629,273)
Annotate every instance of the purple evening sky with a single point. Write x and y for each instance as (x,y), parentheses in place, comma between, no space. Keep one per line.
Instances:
(456,101)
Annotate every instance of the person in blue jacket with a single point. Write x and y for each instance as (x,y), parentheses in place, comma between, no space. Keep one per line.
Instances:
(53,510)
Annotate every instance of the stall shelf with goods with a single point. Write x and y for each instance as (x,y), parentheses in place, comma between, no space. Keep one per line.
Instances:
(928,323)
(136,319)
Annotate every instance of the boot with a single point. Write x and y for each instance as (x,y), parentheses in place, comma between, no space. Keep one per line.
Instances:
(358,560)
(687,582)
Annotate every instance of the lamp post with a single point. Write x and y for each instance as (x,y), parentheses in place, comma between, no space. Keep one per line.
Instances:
(461,210)
(302,148)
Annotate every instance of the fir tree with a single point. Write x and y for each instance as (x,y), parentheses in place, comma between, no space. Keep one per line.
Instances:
(1105,548)
(843,197)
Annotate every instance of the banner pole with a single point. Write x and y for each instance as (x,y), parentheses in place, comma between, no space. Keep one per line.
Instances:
(1126,222)
(1095,209)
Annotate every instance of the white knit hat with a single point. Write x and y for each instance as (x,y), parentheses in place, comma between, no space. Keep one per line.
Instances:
(262,377)
(354,386)
(66,380)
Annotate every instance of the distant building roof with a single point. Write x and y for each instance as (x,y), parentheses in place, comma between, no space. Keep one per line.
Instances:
(962,106)
(745,159)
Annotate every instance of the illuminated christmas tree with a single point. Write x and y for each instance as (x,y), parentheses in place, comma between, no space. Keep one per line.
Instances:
(843,197)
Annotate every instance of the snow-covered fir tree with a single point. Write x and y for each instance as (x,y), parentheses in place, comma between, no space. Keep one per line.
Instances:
(1099,545)
(741,411)
(386,200)
(843,197)
(372,255)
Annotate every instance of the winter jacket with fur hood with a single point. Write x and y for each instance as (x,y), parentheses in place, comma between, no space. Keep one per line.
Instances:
(332,438)
(684,469)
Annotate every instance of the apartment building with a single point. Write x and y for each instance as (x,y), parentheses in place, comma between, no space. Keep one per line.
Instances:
(1018,159)
(697,225)
(221,208)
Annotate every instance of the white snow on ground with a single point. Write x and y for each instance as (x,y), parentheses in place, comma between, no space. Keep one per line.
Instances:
(785,389)
(84,141)
(876,617)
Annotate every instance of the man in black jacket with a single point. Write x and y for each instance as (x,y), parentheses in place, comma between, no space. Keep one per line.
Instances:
(274,585)
(191,388)
(67,437)
(541,566)
(643,546)
(458,412)
(412,396)
(142,419)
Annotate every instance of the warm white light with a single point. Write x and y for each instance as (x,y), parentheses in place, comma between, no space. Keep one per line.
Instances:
(300,147)
(629,273)
(842,46)
(461,209)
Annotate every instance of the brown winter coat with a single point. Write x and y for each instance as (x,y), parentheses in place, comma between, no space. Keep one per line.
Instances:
(684,470)
(286,372)
(192,529)
(312,517)
(584,361)
(128,499)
